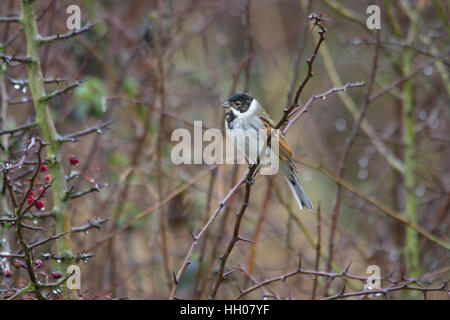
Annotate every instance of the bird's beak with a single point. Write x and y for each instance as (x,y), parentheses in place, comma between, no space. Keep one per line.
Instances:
(226,104)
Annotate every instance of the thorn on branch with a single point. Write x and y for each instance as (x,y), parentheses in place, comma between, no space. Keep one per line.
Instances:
(342,290)
(226,274)
(347,268)
(175,278)
(239,238)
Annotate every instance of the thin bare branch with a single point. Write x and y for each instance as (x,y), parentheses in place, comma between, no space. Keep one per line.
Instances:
(67,35)
(95,223)
(61,91)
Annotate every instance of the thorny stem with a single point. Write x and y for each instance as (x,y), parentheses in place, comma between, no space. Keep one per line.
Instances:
(46,125)
(309,74)
(235,238)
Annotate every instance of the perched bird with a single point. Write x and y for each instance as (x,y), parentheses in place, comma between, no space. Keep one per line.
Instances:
(244,118)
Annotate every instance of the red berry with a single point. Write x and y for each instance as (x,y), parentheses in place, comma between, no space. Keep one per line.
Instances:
(43,167)
(38,263)
(7,273)
(47,178)
(31,192)
(16,264)
(41,189)
(73,160)
(30,199)
(39,204)
(56,274)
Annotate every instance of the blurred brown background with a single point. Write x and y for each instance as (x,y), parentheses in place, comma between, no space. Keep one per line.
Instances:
(186,58)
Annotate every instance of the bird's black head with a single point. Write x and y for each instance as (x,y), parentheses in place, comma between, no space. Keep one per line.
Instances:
(239,101)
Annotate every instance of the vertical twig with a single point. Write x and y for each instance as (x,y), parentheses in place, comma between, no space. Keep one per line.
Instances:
(409,139)
(300,49)
(159,143)
(249,46)
(249,180)
(259,223)
(198,274)
(317,261)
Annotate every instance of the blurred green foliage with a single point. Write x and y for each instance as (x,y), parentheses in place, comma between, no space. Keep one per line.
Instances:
(88,98)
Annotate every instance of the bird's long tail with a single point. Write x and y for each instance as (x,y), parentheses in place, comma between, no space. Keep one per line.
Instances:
(296,187)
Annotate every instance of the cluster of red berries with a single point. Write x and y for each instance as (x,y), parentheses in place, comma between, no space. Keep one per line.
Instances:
(44,168)
(73,160)
(39,204)
(37,264)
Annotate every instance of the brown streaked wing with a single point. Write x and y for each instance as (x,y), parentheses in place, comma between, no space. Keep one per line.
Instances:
(285,151)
